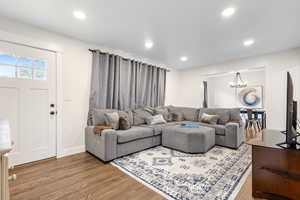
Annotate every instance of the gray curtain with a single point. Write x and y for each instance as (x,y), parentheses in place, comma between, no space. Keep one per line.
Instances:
(119,83)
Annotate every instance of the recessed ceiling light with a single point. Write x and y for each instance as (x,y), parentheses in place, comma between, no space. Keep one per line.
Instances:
(248,42)
(79,14)
(184,58)
(148,44)
(228,12)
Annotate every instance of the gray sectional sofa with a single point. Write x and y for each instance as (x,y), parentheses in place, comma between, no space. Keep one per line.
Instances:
(112,144)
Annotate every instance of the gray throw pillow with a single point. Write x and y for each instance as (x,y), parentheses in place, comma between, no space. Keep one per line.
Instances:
(210,119)
(112,119)
(124,123)
(156,119)
(177,116)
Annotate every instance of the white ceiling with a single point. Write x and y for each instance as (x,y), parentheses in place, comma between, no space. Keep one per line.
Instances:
(192,28)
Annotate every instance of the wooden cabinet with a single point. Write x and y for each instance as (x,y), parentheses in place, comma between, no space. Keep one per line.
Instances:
(5,147)
(275,171)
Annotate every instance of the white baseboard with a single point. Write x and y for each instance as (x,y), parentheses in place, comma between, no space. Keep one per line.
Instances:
(71,151)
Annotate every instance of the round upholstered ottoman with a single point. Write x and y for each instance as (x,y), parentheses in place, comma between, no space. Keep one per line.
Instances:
(189,140)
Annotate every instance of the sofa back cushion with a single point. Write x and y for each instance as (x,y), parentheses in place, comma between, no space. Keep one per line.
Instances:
(99,119)
(98,116)
(139,116)
(235,114)
(190,114)
(223,113)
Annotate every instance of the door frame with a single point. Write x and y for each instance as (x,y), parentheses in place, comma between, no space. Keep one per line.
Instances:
(39,44)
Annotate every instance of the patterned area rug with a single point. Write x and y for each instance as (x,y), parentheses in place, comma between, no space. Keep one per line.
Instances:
(176,175)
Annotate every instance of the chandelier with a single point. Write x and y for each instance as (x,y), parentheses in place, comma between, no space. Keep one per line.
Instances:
(238,81)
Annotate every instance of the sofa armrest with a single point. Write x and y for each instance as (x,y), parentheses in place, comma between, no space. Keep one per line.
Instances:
(234,134)
(104,146)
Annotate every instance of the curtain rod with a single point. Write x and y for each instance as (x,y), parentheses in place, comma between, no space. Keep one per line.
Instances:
(95,50)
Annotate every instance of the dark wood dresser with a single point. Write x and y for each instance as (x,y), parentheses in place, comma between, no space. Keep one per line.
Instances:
(276,171)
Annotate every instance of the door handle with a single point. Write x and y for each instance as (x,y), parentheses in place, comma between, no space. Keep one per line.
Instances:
(53,112)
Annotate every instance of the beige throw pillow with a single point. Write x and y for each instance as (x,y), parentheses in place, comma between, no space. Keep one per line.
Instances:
(124,123)
(177,116)
(210,119)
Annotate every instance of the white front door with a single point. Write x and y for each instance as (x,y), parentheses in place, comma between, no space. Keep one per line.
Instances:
(28,101)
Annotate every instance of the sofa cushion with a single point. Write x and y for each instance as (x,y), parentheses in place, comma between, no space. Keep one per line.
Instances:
(140,116)
(157,128)
(190,114)
(224,114)
(134,133)
(98,116)
(220,129)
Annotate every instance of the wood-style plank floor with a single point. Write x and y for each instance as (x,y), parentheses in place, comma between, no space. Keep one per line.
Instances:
(83,177)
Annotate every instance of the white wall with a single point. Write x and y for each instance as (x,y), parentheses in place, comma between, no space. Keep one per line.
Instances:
(221,95)
(172,92)
(276,65)
(76,70)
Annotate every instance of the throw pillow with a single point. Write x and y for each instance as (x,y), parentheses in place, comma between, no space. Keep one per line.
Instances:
(98,116)
(177,116)
(223,113)
(164,112)
(156,119)
(210,119)
(149,110)
(127,114)
(139,116)
(112,119)
(124,123)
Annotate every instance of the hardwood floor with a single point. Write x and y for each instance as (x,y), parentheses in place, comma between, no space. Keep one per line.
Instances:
(83,177)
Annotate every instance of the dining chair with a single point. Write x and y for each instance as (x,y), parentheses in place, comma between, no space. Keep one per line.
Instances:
(252,123)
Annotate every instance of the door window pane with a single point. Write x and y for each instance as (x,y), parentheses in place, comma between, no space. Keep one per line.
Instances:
(24,72)
(39,64)
(39,74)
(7,71)
(7,59)
(26,62)
(22,67)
